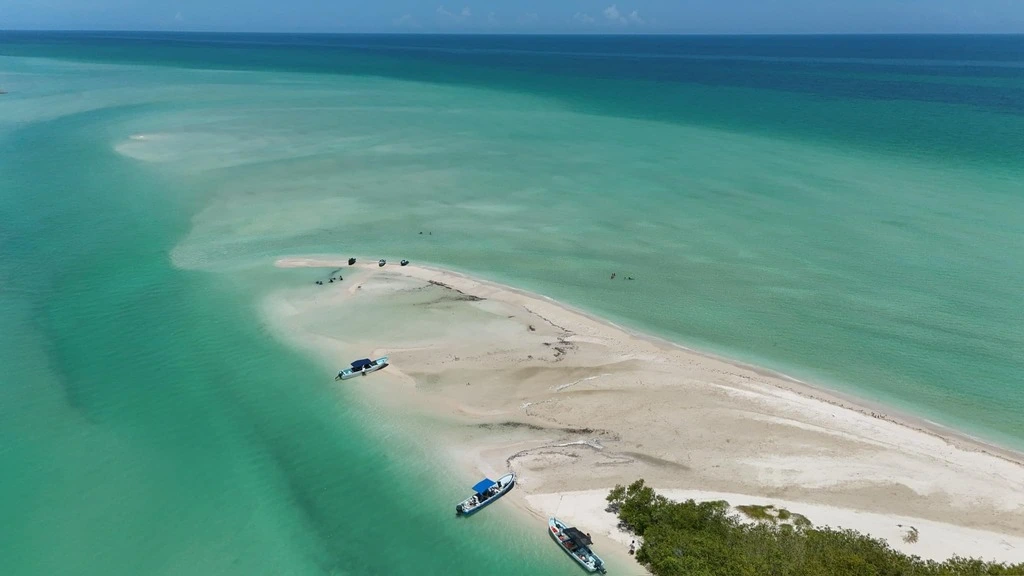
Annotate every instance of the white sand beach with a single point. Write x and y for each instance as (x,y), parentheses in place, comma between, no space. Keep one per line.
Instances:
(935,540)
(575,405)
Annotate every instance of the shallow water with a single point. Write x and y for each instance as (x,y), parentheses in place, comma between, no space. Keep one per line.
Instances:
(856,220)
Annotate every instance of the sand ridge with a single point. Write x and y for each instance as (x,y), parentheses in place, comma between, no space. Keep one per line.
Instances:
(574,403)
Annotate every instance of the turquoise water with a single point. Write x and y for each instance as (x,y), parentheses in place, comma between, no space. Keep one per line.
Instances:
(150,423)
(847,210)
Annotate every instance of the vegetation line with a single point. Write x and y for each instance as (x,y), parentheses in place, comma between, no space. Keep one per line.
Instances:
(706,539)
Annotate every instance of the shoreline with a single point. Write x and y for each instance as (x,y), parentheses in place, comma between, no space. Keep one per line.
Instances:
(936,540)
(810,390)
(571,401)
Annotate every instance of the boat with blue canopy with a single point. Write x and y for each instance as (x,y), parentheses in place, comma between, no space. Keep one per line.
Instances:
(485,492)
(362,367)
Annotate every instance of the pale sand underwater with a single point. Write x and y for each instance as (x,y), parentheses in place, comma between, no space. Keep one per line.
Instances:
(575,405)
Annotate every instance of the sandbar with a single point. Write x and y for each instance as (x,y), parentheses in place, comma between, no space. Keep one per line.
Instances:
(574,405)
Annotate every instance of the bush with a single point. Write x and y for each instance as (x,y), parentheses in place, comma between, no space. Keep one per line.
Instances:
(704,539)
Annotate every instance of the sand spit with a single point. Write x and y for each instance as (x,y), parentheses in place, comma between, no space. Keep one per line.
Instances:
(573,403)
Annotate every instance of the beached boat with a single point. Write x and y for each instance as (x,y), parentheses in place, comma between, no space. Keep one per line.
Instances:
(576,544)
(485,492)
(362,367)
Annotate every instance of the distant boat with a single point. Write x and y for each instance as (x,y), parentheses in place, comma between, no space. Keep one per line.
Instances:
(362,367)
(381,262)
(485,492)
(576,544)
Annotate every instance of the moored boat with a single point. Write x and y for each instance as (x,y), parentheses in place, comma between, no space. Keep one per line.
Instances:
(485,492)
(576,544)
(362,367)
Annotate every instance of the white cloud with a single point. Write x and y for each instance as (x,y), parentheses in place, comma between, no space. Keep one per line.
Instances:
(528,18)
(449,16)
(612,13)
(583,17)
(492,18)
(178,17)
(406,21)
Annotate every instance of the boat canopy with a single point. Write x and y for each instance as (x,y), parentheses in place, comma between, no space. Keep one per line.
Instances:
(483,485)
(578,537)
(362,363)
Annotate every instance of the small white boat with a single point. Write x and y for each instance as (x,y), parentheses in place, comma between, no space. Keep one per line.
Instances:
(362,368)
(576,544)
(485,492)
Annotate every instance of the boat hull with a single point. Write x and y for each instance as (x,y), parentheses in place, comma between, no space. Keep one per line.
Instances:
(378,364)
(507,481)
(555,527)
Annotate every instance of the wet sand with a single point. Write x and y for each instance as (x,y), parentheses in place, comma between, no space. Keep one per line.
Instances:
(571,403)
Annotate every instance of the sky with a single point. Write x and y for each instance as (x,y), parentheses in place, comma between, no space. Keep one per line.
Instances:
(522,16)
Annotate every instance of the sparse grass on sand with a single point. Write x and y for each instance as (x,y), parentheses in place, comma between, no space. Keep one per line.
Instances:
(770,513)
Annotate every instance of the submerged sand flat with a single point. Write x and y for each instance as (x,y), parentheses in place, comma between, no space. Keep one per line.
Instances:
(575,404)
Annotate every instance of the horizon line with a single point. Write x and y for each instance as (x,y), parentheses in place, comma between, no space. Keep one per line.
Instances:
(509,33)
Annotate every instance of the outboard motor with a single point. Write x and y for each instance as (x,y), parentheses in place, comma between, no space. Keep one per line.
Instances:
(458,509)
(351,261)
